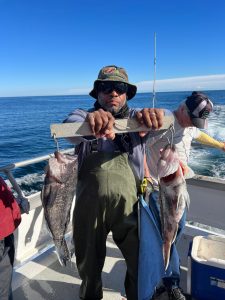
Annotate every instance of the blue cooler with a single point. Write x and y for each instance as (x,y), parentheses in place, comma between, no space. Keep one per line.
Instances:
(207,268)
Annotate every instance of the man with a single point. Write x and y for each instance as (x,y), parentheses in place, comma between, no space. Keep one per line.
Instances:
(9,220)
(191,115)
(110,170)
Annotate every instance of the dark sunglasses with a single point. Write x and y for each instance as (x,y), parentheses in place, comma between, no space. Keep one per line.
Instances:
(108,87)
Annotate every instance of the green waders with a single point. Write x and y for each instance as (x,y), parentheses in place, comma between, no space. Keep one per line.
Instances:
(106,200)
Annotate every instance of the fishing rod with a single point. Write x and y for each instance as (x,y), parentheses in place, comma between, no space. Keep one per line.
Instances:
(171,127)
(154,94)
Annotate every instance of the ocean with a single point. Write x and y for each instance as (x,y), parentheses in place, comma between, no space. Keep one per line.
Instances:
(25,131)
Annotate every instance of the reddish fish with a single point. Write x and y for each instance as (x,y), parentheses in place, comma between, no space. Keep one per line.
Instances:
(173,197)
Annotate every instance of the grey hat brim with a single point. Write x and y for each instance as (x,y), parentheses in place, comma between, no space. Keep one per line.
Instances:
(199,122)
(132,89)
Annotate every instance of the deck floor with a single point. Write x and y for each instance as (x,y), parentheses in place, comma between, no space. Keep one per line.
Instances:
(44,279)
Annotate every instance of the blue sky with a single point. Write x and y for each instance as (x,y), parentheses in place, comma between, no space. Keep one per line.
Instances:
(53,47)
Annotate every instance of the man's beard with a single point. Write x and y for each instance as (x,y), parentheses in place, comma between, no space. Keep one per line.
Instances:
(114,110)
(118,112)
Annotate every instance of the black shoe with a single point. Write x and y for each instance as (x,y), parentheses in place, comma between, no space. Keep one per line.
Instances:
(159,291)
(175,294)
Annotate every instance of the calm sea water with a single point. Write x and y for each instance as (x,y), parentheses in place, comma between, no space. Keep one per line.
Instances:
(25,130)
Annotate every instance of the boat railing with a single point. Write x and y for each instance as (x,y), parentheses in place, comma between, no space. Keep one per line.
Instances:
(8,171)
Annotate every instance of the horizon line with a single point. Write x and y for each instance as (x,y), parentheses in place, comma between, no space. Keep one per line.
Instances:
(141,92)
(178,84)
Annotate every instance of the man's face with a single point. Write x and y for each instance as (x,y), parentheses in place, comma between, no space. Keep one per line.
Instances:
(112,96)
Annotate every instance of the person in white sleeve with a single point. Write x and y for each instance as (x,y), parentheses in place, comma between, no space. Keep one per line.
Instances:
(190,117)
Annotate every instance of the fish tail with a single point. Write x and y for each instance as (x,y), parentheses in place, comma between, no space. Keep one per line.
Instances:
(62,252)
(166,254)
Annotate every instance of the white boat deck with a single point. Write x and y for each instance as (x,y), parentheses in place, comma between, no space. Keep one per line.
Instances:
(44,278)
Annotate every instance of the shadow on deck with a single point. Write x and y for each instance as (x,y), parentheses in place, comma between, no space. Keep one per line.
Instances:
(44,279)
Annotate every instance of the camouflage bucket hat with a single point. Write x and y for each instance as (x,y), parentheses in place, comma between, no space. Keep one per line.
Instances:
(113,73)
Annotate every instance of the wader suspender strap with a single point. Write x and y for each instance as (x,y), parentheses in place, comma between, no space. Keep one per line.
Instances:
(94,146)
(123,142)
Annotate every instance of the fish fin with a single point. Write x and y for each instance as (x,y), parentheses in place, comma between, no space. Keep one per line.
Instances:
(166,254)
(62,251)
(49,194)
(175,235)
(180,198)
(72,247)
(187,200)
(183,198)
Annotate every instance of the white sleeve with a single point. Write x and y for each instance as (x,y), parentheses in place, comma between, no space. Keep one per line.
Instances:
(196,132)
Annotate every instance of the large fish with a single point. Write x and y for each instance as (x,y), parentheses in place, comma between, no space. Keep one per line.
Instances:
(57,196)
(173,197)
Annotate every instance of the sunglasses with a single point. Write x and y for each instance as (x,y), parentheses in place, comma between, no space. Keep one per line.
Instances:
(108,87)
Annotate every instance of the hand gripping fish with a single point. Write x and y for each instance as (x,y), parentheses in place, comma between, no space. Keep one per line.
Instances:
(57,196)
(173,197)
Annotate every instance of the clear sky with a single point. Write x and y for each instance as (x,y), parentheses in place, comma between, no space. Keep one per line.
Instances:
(52,47)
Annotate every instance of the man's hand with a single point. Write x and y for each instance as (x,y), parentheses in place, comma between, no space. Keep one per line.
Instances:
(150,117)
(101,123)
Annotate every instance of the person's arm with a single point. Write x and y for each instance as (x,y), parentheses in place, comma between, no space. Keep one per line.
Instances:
(146,169)
(147,182)
(205,139)
(147,174)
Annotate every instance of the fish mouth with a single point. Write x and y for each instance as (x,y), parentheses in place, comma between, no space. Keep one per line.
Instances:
(61,158)
(169,177)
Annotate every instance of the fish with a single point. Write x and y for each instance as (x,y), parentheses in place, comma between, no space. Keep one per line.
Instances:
(173,197)
(57,196)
